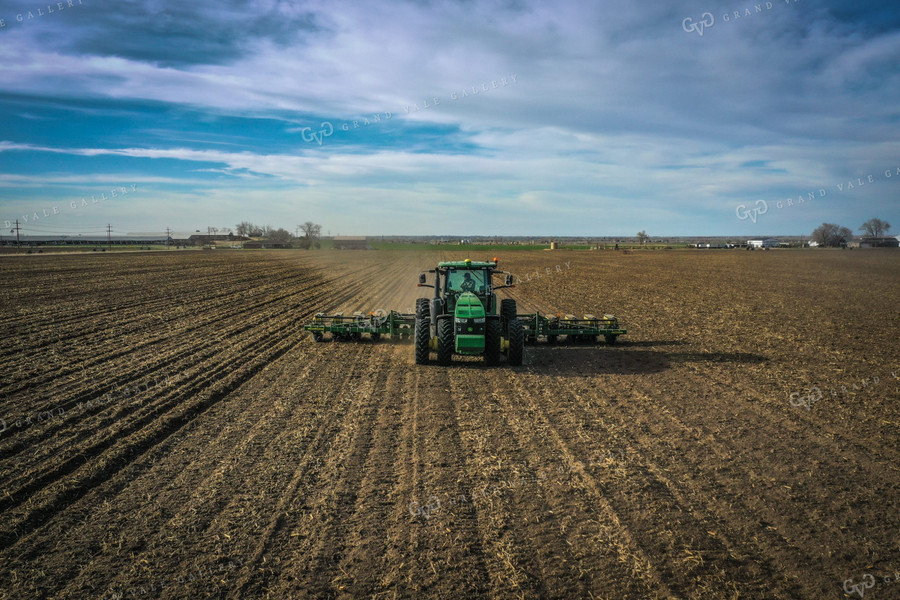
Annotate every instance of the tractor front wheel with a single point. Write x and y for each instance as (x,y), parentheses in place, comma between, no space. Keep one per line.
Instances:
(445,342)
(516,343)
(317,336)
(423,336)
(492,332)
(611,339)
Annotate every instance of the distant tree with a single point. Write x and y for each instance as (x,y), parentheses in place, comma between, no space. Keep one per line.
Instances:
(281,236)
(311,233)
(831,235)
(642,237)
(243,228)
(875,228)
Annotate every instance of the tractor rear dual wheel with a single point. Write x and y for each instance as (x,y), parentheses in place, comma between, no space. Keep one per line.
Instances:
(508,312)
(423,308)
(445,342)
(492,335)
(516,354)
(423,337)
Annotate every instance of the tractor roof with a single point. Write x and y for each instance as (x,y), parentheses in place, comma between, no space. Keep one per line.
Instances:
(467,264)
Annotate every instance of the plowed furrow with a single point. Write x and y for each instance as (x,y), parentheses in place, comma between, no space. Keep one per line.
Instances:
(127,452)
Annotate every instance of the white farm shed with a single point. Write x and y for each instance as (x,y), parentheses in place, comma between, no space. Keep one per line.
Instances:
(763,243)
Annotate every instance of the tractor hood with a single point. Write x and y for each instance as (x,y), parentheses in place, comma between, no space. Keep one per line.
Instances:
(468,306)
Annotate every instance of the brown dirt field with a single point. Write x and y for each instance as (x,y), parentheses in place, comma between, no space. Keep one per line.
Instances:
(169,431)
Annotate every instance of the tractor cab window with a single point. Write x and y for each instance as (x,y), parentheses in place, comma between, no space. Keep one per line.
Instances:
(466,280)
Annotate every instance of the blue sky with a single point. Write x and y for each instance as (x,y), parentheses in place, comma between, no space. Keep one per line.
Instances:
(506,117)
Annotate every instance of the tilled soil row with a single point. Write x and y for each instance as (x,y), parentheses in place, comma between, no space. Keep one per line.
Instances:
(671,465)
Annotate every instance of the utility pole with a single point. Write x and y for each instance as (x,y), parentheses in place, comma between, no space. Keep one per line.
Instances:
(18,245)
(108,237)
(167,238)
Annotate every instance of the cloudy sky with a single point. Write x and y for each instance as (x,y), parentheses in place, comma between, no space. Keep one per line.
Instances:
(507,117)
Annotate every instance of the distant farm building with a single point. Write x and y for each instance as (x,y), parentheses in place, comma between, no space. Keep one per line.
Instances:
(879,242)
(195,238)
(262,244)
(350,242)
(202,239)
(708,245)
(763,243)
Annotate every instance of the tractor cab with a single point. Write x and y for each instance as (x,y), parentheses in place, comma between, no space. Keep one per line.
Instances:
(453,279)
(458,281)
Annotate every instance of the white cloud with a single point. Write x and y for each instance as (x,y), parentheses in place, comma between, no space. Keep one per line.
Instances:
(615,109)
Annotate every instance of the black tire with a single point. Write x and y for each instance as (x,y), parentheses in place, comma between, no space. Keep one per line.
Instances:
(375,336)
(516,354)
(423,337)
(317,336)
(508,313)
(611,339)
(445,342)
(551,339)
(423,308)
(492,336)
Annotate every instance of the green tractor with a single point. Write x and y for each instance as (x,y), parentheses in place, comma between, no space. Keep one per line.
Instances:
(463,316)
